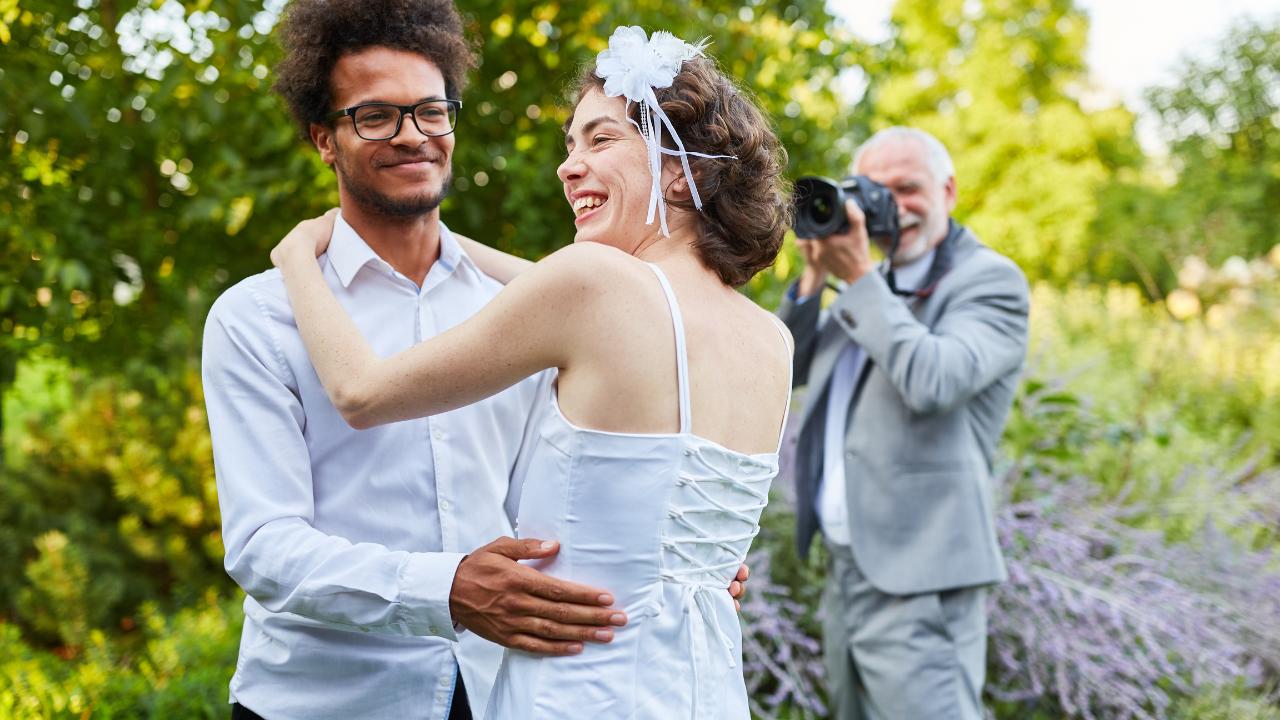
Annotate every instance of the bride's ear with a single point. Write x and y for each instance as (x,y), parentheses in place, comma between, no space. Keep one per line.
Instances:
(678,187)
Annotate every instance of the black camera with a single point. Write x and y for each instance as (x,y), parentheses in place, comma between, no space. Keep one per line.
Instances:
(820,207)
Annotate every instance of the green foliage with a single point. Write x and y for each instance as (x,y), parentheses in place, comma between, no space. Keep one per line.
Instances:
(57,582)
(131,479)
(1228,704)
(1220,120)
(146,168)
(999,83)
(175,666)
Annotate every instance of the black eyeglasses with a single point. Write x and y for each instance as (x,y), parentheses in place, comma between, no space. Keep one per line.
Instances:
(381,121)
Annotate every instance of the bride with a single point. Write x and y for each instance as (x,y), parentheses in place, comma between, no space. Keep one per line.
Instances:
(654,458)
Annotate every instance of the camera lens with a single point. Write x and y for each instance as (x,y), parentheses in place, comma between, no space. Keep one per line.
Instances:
(823,208)
(819,210)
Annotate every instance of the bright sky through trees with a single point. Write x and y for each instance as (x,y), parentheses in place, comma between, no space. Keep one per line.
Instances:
(1133,44)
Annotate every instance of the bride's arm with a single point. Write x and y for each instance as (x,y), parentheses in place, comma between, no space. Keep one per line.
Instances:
(498,265)
(538,321)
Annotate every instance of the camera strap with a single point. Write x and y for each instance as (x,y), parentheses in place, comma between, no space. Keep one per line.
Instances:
(943,257)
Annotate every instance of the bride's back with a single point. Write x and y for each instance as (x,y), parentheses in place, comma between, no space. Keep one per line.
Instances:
(623,378)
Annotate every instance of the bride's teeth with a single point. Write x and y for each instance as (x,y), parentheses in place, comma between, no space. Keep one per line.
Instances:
(589,201)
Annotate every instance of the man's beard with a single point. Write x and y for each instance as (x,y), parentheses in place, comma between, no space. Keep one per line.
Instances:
(387,206)
(920,243)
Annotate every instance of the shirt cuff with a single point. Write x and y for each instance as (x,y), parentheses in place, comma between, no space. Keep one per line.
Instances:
(426,580)
(793,294)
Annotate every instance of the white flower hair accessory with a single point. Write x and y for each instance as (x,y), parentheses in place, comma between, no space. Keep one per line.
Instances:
(632,67)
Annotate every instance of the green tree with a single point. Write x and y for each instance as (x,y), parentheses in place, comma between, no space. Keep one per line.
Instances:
(1220,121)
(146,169)
(1000,82)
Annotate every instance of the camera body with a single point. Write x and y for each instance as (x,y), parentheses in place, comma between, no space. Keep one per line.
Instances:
(820,207)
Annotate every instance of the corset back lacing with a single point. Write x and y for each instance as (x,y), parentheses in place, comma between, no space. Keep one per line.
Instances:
(739,500)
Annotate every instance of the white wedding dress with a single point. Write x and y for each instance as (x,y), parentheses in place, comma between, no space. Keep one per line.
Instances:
(663,521)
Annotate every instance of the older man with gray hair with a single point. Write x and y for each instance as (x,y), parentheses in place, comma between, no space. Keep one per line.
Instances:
(911,371)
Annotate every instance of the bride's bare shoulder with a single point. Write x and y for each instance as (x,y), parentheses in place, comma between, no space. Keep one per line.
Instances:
(590,265)
(591,253)
(762,317)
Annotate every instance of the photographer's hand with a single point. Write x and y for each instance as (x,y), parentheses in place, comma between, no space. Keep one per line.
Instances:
(814,276)
(848,254)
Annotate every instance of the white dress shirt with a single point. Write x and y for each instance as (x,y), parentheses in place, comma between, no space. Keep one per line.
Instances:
(833,504)
(345,541)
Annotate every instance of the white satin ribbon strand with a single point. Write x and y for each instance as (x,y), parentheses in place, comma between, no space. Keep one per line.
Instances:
(652,118)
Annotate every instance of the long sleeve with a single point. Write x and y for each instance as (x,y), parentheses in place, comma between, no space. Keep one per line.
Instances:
(265,490)
(981,336)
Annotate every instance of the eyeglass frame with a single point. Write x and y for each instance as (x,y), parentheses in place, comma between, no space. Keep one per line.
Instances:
(350,112)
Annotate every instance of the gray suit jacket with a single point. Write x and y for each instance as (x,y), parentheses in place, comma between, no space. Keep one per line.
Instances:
(928,413)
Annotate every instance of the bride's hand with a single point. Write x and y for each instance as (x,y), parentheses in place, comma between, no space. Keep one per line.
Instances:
(309,239)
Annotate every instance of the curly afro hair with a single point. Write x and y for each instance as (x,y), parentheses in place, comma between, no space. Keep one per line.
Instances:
(746,203)
(316,33)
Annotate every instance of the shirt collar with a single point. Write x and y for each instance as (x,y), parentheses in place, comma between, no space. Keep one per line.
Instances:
(451,254)
(910,276)
(348,252)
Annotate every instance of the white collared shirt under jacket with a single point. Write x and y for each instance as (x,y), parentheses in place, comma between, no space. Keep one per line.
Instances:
(345,541)
(833,504)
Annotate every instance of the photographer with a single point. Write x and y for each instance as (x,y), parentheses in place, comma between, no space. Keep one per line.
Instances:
(910,374)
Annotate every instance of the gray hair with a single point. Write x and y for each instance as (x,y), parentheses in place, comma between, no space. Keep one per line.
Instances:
(936,155)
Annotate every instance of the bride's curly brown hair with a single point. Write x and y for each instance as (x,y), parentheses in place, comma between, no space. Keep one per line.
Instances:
(746,203)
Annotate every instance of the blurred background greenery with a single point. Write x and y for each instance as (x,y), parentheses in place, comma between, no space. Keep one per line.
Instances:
(145,167)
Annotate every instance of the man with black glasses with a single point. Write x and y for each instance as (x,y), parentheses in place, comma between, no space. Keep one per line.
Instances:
(371,591)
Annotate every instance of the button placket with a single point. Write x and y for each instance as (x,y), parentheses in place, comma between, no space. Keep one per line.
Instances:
(443,461)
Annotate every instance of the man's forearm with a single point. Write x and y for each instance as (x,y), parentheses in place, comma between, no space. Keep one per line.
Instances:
(287,566)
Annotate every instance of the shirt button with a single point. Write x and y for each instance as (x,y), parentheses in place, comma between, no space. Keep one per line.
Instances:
(437,433)
(444,504)
(446,680)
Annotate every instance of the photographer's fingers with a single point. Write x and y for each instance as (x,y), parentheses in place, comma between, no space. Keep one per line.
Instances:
(856,218)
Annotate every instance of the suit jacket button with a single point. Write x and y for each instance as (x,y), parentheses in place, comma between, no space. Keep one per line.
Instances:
(848,318)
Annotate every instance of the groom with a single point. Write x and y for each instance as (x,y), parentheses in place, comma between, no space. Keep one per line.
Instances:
(370,589)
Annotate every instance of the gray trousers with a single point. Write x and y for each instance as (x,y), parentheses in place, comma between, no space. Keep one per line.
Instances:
(901,657)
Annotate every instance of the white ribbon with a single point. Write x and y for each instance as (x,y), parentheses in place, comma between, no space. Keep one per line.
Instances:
(632,67)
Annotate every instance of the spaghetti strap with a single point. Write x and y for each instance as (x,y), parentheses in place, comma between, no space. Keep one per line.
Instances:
(786,345)
(682,357)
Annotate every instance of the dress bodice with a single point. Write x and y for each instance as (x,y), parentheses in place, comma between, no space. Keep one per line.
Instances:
(663,521)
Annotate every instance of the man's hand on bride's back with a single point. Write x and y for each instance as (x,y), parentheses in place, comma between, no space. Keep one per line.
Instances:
(518,607)
(308,239)
(738,587)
